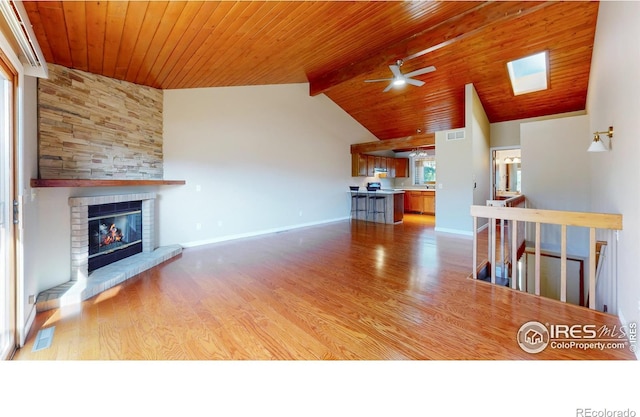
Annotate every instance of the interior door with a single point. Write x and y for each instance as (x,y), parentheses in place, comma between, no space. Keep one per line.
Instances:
(505,172)
(7,230)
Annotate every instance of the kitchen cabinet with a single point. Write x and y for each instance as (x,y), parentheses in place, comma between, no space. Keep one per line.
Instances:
(364,165)
(391,167)
(358,165)
(371,165)
(429,202)
(401,167)
(414,201)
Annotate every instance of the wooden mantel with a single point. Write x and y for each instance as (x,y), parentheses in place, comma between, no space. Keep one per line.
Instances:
(41,183)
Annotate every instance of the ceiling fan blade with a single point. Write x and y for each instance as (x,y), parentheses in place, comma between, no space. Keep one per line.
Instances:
(388,88)
(396,71)
(417,83)
(380,79)
(420,71)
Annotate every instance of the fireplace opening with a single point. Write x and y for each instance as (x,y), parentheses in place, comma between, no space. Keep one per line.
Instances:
(115,232)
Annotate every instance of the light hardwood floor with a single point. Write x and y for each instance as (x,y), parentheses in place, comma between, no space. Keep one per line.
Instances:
(345,290)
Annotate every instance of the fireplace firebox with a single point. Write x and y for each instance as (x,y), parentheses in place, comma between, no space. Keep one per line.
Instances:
(115,232)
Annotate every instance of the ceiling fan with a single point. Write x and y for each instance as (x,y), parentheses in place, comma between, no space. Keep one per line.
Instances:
(400,79)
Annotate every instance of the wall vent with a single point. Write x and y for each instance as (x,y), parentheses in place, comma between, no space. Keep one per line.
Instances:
(455,135)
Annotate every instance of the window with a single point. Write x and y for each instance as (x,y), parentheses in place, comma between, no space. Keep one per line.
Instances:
(424,170)
(528,74)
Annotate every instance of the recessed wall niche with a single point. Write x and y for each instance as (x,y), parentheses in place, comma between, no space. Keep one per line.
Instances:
(95,127)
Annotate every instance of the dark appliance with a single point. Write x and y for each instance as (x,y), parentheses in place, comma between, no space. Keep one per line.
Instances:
(373,186)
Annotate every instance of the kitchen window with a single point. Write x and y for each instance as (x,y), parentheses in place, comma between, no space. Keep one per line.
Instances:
(424,170)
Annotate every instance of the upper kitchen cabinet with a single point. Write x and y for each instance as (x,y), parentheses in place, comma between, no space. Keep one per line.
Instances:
(358,165)
(371,165)
(365,165)
(401,167)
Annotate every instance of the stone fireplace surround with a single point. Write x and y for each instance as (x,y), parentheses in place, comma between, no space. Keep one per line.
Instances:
(84,285)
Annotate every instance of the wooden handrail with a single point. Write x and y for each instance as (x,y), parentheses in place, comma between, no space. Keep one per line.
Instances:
(568,218)
(592,221)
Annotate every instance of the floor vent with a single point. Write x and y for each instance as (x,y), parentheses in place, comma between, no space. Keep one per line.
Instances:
(44,339)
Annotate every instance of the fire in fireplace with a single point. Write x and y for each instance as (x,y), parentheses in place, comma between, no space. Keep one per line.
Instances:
(115,232)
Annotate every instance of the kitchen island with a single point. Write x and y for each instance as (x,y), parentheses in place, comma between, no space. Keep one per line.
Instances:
(394,206)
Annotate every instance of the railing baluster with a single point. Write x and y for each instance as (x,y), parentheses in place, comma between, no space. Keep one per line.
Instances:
(592,268)
(537,260)
(492,245)
(514,252)
(563,263)
(475,247)
(503,274)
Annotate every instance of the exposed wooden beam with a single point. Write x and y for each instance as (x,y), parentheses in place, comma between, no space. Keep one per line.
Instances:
(427,139)
(445,34)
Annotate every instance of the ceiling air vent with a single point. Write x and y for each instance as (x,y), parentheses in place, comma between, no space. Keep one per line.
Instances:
(455,135)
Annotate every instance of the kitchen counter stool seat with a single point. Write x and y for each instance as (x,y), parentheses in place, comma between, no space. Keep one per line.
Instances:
(374,206)
(358,202)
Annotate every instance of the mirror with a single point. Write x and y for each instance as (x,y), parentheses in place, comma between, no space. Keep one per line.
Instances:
(507,173)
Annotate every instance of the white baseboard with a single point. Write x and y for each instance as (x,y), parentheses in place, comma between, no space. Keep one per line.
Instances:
(625,324)
(259,233)
(453,231)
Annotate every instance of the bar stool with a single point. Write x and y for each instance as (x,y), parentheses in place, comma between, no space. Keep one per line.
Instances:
(358,201)
(373,204)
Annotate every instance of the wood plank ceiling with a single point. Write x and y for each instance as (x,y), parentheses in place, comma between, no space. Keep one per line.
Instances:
(334,46)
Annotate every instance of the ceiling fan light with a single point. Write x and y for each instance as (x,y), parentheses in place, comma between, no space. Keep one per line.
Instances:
(399,81)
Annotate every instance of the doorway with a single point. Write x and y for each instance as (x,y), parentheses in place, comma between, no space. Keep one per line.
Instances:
(506,172)
(7,230)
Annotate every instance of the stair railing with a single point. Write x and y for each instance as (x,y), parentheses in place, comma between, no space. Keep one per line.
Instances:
(516,201)
(516,216)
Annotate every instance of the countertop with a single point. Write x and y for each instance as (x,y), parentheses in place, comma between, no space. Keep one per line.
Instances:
(430,190)
(382,191)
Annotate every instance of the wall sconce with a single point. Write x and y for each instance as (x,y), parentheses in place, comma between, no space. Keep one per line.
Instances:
(598,145)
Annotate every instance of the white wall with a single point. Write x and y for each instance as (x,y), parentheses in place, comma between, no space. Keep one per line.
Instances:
(255,159)
(508,133)
(555,175)
(614,100)
(477,120)
(460,164)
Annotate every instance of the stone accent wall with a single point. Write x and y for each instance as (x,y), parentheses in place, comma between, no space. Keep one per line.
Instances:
(95,127)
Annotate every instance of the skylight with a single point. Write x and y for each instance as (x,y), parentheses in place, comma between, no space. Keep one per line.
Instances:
(528,74)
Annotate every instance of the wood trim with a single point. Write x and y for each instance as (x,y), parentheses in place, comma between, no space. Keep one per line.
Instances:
(563,263)
(514,252)
(592,268)
(537,260)
(38,183)
(569,218)
(427,139)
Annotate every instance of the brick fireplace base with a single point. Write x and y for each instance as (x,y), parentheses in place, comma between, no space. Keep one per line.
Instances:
(84,285)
